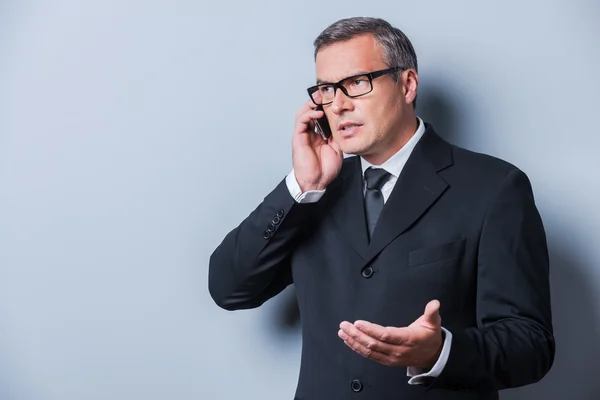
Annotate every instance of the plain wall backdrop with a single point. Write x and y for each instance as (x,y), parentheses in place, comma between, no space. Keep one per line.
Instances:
(134,135)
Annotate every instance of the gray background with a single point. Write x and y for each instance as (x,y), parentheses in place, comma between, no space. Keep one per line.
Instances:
(135,135)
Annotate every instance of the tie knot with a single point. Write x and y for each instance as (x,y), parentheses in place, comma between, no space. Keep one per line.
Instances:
(376,177)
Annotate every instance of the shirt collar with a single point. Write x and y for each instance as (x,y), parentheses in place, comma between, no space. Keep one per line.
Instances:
(395,163)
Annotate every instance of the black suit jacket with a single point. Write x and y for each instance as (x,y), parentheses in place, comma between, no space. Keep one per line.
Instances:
(459,226)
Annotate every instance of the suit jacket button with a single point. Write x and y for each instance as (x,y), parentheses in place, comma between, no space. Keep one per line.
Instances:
(280,213)
(266,235)
(271,228)
(367,272)
(276,220)
(356,385)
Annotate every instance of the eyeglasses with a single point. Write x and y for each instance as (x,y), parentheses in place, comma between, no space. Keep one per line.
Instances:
(352,86)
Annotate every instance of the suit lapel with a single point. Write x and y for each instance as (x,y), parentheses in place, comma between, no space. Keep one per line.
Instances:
(417,189)
(348,211)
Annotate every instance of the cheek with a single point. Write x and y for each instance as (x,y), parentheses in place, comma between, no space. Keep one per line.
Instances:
(389,114)
(378,120)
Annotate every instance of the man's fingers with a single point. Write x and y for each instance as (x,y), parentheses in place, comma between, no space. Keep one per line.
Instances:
(310,114)
(390,335)
(304,122)
(362,349)
(309,105)
(376,331)
(372,343)
(365,352)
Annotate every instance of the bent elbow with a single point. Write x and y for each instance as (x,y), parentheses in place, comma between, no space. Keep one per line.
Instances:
(220,297)
(548,355)
(217,287)
(545,350)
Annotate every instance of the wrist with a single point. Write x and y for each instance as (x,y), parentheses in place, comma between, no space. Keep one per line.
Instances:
(305,187)
(436,355)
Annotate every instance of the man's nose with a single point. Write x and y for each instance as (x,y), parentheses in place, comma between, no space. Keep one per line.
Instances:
(341,102)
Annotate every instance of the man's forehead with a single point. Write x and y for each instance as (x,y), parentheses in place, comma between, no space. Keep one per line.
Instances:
(355,56)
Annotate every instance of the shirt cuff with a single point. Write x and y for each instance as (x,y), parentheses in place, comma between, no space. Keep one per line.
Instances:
(310,196)
(418,376)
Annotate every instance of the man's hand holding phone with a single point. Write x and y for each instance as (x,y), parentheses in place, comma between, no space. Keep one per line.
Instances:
(317,161)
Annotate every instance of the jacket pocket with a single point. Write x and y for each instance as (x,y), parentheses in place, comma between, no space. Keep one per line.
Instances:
(431,254)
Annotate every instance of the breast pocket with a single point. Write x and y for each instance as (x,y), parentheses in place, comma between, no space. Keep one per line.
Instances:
(432,254)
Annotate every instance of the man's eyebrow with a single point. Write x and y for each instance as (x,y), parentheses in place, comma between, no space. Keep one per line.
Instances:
(320,82)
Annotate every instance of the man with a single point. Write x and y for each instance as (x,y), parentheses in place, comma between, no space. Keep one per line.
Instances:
(384,244)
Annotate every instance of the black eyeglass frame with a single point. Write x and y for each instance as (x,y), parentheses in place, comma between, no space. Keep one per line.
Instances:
(338,85)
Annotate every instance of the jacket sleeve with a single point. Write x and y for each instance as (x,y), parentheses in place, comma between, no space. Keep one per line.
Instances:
(513,343)
(252,263)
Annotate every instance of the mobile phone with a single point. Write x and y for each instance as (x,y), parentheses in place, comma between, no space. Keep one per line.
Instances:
(322,125)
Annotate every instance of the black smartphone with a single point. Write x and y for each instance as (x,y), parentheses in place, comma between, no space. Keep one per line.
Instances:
(322,125)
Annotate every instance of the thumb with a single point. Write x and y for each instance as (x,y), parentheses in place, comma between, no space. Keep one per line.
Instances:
(432,314)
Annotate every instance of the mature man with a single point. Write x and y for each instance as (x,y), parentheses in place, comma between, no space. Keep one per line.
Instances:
(383,244)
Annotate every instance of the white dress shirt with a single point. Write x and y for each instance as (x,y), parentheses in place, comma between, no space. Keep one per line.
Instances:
(394,166)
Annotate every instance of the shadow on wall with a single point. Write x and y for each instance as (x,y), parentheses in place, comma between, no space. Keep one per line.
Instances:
(436,106)
(574,374)
(576,328)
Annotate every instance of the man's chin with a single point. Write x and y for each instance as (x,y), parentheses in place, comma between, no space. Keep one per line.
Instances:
(352,147)
(353,150)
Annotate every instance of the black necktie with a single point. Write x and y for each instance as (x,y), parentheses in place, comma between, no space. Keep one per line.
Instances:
(375,178)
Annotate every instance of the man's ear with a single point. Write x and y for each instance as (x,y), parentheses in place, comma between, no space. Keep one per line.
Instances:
(410,83)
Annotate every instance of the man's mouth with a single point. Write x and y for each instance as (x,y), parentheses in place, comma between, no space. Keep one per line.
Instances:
(347,126)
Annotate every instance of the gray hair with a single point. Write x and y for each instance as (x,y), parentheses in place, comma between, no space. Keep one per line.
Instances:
(397,49)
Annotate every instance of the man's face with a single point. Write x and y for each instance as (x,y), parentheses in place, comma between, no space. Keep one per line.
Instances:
(380,114)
